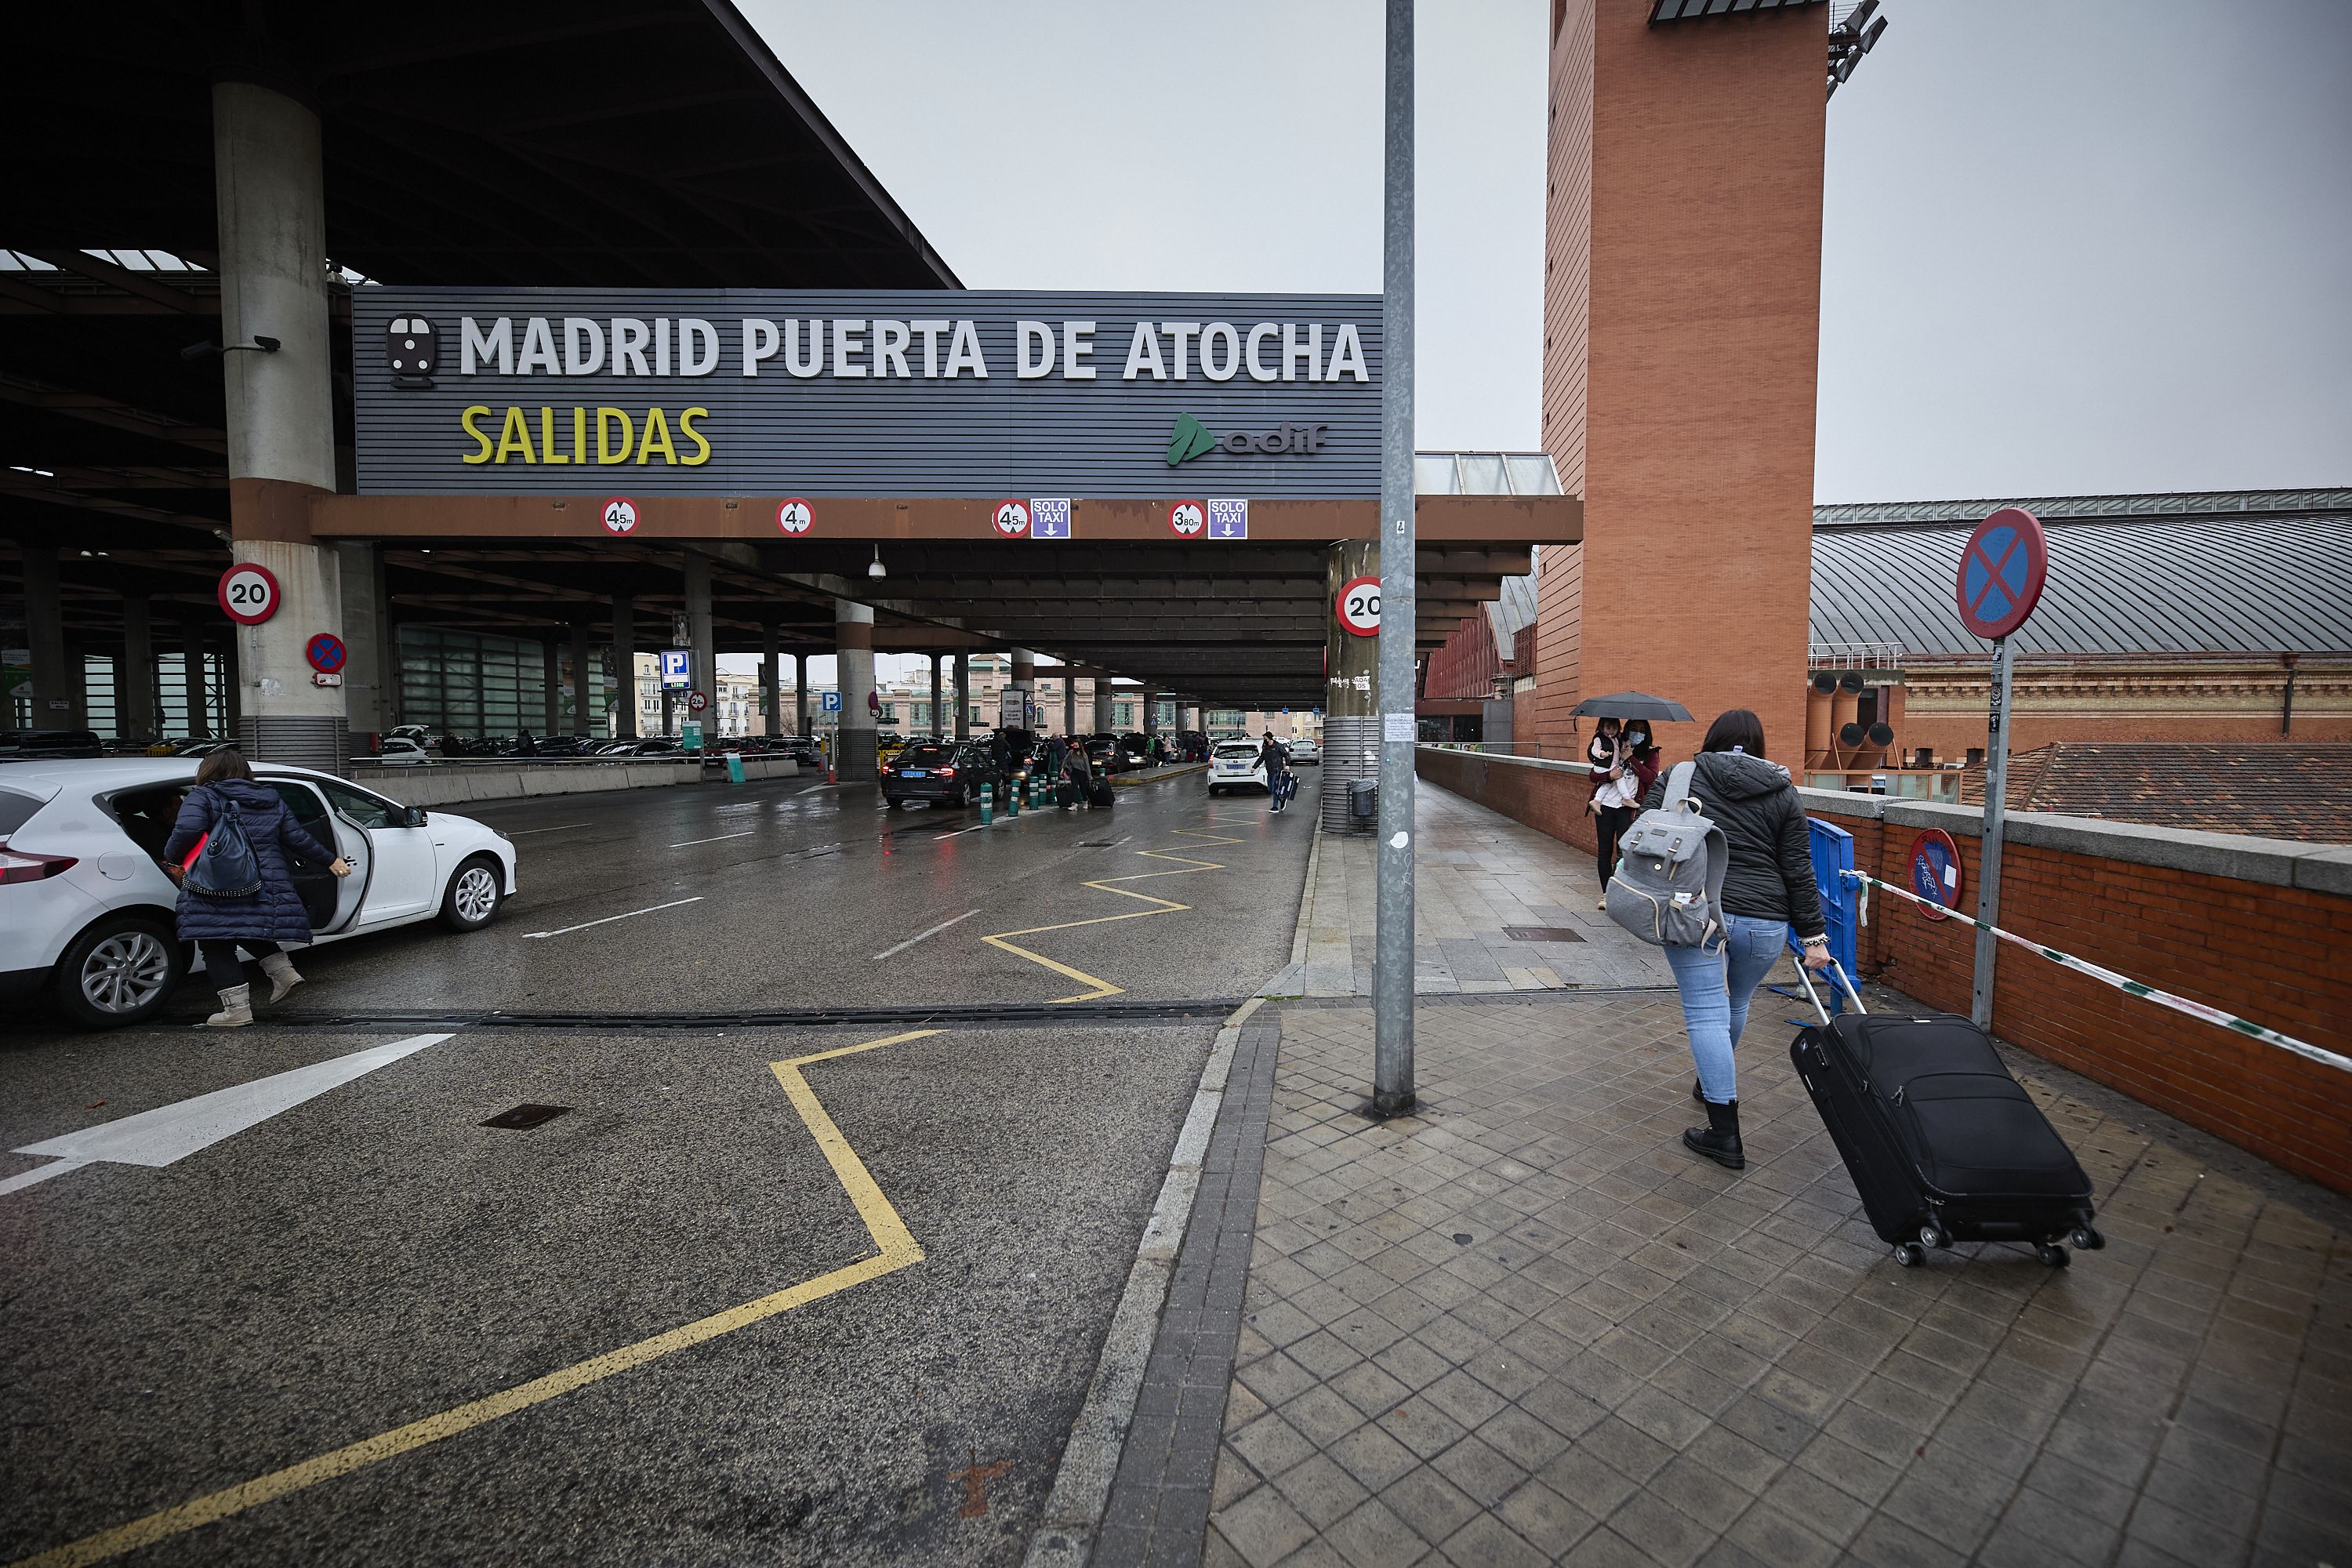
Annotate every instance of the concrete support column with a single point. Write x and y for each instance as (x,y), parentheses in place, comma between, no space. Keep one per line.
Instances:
(45,627)
(1150,706)
(963,695)
(703,644)
(134,680)
(853,638)
(801,695)
(222,644)
(771,702)
(359,568)
(1070,703)
(1351,713)
(1025,679)
(586,685)
(269,197)
(625,665)
(551,663)
(938,699)
(1105,714)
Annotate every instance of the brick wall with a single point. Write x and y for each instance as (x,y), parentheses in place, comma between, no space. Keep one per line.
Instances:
(2257,927)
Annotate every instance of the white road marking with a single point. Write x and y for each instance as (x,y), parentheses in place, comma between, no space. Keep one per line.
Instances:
(933,931)
(960,832)
(559,828)
(171,1133)
(583,925)
(814,788)
(720,839)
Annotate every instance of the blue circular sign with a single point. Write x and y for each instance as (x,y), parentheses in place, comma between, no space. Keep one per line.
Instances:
(326,653)
(1936,871)
(2002,569)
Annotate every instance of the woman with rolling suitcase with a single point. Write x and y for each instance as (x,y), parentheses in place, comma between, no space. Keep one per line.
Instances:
(1768,886)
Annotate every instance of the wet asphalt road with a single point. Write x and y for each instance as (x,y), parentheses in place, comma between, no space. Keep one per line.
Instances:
(373,1257)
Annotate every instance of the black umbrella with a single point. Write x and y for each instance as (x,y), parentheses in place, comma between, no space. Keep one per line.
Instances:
(1632,705)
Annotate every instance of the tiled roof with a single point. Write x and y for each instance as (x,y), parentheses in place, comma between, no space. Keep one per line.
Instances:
(2287,790)
(2258,572)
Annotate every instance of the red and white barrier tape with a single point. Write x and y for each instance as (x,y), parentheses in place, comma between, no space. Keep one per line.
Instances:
(2124,982)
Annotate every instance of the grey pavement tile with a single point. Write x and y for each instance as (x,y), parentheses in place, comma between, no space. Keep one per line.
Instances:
(1262,1527)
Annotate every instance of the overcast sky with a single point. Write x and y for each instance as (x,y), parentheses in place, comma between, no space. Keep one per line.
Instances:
(2102,245)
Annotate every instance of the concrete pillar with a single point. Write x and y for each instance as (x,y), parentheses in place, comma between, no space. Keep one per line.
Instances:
(271,201)
(1149,706)
(1351,722)
(1104,713)
(801,695)
(359,568)
(703,644)
(134,680)
(853,640)
(624,666)
(551,669)
(1023,679)
(192,677)
(963,695)
(586,685)
(939,710)
(222,644)
(1069,702)
(45,627)
(771,702)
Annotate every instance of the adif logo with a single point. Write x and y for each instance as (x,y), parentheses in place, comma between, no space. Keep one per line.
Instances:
(1191,439)
(409,347)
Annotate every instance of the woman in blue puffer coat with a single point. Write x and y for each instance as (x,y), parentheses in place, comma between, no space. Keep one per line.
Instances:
(260,921)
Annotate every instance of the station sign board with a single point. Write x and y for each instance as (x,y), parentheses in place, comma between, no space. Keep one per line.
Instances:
(805,393)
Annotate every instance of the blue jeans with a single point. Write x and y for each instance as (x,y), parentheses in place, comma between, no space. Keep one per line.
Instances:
(1715,987)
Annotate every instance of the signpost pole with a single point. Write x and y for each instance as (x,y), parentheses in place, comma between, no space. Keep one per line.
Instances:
(1393,1075)
(2004,666)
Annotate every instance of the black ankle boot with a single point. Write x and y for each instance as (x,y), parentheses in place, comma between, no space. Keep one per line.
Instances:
(1696,1092)
(1719,1139)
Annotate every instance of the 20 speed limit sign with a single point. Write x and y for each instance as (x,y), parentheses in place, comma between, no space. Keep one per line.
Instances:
(248,594)
(1359,607)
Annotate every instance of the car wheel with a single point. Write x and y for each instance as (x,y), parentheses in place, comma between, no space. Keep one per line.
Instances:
(893,802)
(474,895)
(118,972)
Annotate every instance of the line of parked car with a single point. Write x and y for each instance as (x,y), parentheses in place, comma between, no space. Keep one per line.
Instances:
(410,744)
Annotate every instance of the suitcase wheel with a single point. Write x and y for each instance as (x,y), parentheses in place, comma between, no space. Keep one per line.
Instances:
(2088,1239)
(1910,1254)
(1933,1234)
(2051,1253)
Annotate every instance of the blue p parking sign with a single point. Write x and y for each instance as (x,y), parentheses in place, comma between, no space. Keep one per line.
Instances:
(832,702)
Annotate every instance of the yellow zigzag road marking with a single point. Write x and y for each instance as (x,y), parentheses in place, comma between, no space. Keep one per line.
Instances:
(1110,885)
(895,1248)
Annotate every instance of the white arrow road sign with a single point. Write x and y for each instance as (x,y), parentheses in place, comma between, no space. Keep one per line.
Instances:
(172,1133)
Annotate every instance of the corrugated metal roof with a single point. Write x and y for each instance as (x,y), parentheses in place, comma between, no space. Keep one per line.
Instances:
(1484,474)
(2127,574)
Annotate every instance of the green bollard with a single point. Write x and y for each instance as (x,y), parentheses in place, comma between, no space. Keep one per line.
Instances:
(1013,796)
(987,805)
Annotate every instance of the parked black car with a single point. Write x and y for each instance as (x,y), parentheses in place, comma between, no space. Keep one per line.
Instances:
(1135,750)
(948,774)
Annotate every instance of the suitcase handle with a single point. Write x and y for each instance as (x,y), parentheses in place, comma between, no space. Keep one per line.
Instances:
(1804,978)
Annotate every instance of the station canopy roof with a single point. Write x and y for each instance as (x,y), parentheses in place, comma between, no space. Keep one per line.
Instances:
(612,144)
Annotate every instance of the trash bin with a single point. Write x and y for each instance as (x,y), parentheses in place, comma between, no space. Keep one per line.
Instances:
(1364,803)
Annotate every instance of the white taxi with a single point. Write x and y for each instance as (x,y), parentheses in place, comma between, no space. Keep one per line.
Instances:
(1234,764)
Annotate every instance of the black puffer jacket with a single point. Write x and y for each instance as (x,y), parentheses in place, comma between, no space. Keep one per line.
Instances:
(1770,877)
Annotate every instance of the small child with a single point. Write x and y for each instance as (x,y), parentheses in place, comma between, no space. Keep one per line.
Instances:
(1606,753)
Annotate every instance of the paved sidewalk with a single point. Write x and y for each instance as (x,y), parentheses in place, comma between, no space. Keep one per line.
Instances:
(1478,873)
(1524,1326)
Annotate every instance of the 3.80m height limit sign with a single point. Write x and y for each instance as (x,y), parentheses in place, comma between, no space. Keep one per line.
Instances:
(1359,607)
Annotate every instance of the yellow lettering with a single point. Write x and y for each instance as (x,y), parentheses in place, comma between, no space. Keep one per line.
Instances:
(515,437)
(656,434)
(546,436)
(478,411)
(579,434)
(604,418)
(685,428)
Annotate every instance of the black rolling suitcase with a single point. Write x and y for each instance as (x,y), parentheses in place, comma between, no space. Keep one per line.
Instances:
(1099,793)
(1942,1143)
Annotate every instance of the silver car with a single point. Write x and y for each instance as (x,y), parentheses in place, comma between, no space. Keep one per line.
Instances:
(86,911)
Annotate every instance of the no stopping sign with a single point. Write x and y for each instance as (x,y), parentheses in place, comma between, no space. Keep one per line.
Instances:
(1359,607)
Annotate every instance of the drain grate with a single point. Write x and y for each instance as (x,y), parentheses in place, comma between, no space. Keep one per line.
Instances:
(1542,934)
(1094,843)
(523,1116)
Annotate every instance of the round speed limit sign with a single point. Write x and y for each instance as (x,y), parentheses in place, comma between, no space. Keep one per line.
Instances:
(1187,518)
(698,701)
(248,594)
(620,515)
(795,516)
(1359,607)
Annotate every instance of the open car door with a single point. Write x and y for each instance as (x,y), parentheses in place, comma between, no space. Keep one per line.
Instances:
(332,902)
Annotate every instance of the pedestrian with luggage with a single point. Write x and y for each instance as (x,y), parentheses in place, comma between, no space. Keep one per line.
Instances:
(230,851)
(1275,758)
(1077,779)
(1766,886)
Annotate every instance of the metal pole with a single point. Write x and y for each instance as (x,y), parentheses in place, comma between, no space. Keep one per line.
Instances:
(2004,666)
(1392,1085)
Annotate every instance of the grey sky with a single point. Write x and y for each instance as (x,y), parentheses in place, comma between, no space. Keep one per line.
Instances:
(2092,247)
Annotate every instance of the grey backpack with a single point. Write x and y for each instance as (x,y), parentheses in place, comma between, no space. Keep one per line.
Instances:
(1668,890)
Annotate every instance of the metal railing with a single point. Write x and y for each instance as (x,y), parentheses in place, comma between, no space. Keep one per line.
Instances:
(1854,655)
